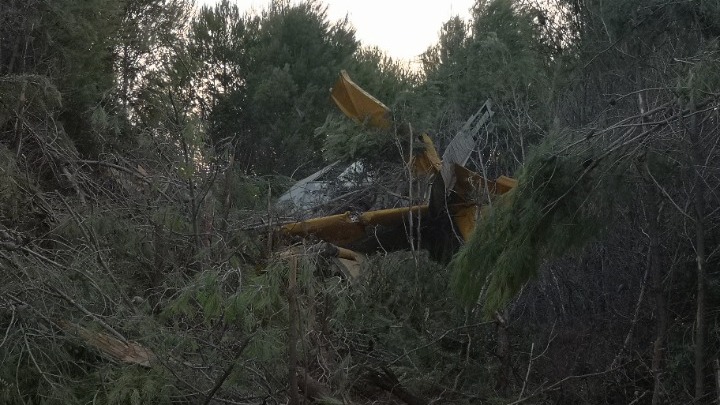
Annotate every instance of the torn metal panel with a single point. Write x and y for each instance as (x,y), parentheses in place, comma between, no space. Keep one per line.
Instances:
(323,187)
(308,192)
(462,145)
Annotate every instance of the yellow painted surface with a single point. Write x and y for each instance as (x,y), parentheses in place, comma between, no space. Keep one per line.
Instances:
(338,229)
(391,216)
(358,104)
(464,217)
(343,229)
(469,183)
(505,184)
(427,162)
(348,254)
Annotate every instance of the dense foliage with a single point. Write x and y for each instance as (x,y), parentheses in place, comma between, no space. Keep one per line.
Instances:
(143,142)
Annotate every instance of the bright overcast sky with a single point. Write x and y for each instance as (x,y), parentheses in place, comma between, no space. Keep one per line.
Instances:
(402,28)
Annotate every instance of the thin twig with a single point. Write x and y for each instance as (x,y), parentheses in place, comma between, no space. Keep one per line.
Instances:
(10,325)
(564,380)
(91,238)
(84,310)
(228,370)
(527,373)
(32,357)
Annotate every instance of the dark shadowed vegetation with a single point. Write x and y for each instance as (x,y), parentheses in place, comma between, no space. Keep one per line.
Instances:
(143,144)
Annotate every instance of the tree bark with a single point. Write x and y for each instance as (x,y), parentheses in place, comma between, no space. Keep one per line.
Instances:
(294,398)
(717,380)
(656,275)
(698,197)
(311,388)
(502,381)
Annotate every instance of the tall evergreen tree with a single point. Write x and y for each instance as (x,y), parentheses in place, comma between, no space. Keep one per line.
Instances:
(268,80)
(497,56)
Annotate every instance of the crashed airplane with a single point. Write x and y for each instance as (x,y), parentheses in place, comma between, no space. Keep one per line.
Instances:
(455,200)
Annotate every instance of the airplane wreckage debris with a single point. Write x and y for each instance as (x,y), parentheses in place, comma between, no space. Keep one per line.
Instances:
(440,226)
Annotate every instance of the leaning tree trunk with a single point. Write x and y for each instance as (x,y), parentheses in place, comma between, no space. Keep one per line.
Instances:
(653,213)
(294,398)
(656,275)
(698,202)
(502,381)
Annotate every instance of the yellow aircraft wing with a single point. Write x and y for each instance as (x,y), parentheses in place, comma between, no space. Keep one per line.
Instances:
(358,104)
(344,229)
